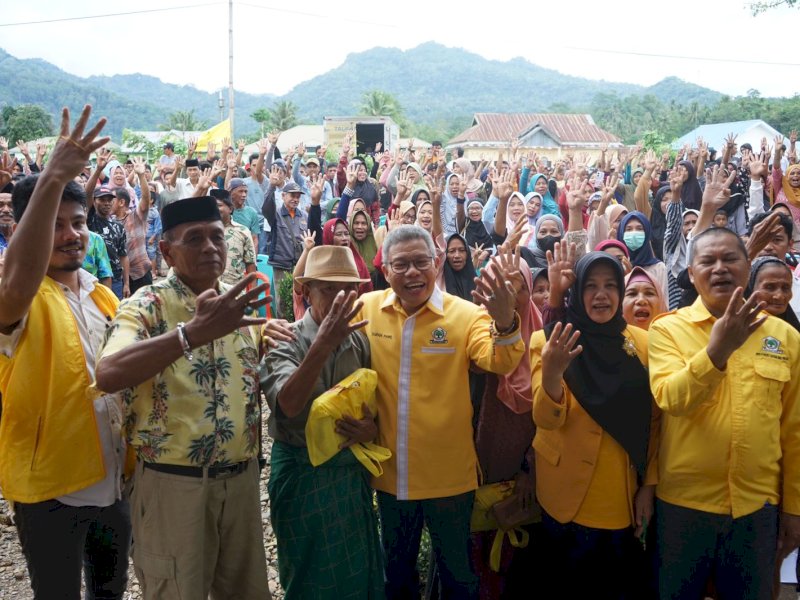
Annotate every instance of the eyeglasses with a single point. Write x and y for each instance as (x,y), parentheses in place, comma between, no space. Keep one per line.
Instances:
(420,264)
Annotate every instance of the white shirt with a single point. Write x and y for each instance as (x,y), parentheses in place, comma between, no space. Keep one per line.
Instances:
(91,324)
(184,188)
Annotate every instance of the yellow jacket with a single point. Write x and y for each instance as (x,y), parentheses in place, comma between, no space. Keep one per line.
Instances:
(567,441)
(49,443)
(729,439)
(424,407)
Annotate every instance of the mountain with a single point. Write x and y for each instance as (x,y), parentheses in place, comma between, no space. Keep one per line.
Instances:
(433,80)
(433,84)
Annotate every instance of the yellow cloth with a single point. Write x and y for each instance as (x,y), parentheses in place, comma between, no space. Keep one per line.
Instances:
(215,134)
(483,519)
(792,194)
(198,413)
(605,505)
(424,407)
(728,438)
(345,398)
(49,443)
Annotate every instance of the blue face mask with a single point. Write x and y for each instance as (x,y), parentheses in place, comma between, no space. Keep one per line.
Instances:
(633,239)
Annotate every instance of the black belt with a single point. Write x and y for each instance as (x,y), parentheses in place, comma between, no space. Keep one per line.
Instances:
(213,472)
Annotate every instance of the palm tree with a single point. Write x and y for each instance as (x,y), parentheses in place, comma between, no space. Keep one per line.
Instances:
(283,115)
(377,103)
(183,120)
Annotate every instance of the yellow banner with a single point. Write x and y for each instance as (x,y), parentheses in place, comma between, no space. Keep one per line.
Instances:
(215,135)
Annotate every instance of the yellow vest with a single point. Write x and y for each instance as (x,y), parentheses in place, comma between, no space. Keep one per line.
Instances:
(49,443)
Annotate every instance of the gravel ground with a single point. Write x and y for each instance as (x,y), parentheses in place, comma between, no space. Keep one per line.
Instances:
(14,584)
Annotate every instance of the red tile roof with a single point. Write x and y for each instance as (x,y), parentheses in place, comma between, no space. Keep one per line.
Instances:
(503,127)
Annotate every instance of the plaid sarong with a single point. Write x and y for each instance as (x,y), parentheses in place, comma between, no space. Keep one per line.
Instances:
(326,527)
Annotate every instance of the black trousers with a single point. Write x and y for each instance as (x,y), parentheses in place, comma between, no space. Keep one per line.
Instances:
(694,545)
(59,542)
(135,284)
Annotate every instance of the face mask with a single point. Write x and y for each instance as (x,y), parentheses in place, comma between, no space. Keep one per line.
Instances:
(548,242)
(633,239)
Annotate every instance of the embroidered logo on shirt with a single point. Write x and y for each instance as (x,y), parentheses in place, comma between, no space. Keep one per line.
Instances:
(772,345)
(438,336)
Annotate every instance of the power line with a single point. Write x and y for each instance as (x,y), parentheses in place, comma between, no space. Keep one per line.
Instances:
(725,60)
(121,14)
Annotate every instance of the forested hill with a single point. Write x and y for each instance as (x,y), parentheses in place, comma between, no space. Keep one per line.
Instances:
(432,83)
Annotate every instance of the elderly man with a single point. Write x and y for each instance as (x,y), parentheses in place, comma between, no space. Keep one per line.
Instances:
(422,342)
(335,497)
(186,360)
(61,452)
(726,377)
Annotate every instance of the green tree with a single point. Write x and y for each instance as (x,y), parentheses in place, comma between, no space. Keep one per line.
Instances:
(377,103)
(765,5)
(282,116)
(26,122)
(184,120)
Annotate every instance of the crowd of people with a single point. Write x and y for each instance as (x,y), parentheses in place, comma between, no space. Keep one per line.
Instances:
(580,377)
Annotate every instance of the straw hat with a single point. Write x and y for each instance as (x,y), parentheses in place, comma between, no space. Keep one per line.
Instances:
(331,263)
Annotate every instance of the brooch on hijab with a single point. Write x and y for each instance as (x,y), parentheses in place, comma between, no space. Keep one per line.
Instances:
(629,347)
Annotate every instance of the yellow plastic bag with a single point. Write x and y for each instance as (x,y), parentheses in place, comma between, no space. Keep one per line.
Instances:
(344,398)
(483,519)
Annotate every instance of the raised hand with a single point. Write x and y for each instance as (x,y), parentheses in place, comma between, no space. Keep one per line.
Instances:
(515,235)
(560,349)
(336,326)
(479,255)
(496,293)
(275,175)
(73,149)
(138,165)
(217,315)
(352,175)
(301,149)
(762,234)
(7,164)
(346,142)
(403,186)
(758,170)
(731,330)
(272,137)
(317,187)
(577,195)
(718,188)
(240,145)
(309,239)
(560,273)
(503,186)
(22,146)
(204,182)
(191,146)
(3,144)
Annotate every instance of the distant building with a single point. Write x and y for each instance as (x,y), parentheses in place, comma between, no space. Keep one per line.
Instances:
(550,135)
(746,132)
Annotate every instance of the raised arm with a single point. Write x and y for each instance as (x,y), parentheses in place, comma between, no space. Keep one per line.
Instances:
(28,254)
(103,156)
(144,202)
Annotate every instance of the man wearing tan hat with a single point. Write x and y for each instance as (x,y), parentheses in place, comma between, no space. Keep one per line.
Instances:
(335,497)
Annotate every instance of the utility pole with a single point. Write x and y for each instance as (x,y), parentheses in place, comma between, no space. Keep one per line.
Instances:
(230,67)
(221,104)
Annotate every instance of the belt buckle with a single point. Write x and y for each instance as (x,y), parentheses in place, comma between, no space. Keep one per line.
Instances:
(230,470)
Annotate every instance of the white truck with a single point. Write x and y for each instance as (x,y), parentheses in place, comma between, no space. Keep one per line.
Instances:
(367,131)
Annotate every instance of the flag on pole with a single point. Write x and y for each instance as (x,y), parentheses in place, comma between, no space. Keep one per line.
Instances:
(215,135)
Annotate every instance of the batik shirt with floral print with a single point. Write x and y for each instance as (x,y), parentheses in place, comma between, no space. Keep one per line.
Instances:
(201,412)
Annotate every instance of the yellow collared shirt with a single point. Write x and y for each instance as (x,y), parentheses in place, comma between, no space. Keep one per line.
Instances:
(424,407)
(730,440)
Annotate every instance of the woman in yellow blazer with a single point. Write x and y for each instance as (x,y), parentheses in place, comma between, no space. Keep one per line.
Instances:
(595,441)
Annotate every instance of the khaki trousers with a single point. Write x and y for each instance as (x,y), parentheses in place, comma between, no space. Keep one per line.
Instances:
(195,536)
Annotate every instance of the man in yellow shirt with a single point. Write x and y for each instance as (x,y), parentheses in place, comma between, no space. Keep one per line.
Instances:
(422,341)
(727,378)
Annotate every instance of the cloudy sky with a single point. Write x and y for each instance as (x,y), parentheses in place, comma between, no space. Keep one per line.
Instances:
(714,43)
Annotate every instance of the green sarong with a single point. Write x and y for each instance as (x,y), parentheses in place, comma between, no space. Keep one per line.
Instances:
(326,527)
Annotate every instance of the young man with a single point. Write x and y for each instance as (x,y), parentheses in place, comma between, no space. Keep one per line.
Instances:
(725,375)
(102,222)
(135,223)
(61,456)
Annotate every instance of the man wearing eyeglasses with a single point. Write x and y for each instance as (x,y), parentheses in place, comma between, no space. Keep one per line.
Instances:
(422,341)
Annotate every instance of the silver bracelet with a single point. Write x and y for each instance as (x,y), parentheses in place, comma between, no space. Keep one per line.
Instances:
(187,349)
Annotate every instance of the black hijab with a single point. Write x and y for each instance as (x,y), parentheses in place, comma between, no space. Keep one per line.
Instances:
(475,233)
(658,222)
(789,316)
(459,283)
(691,194)
(607,378)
